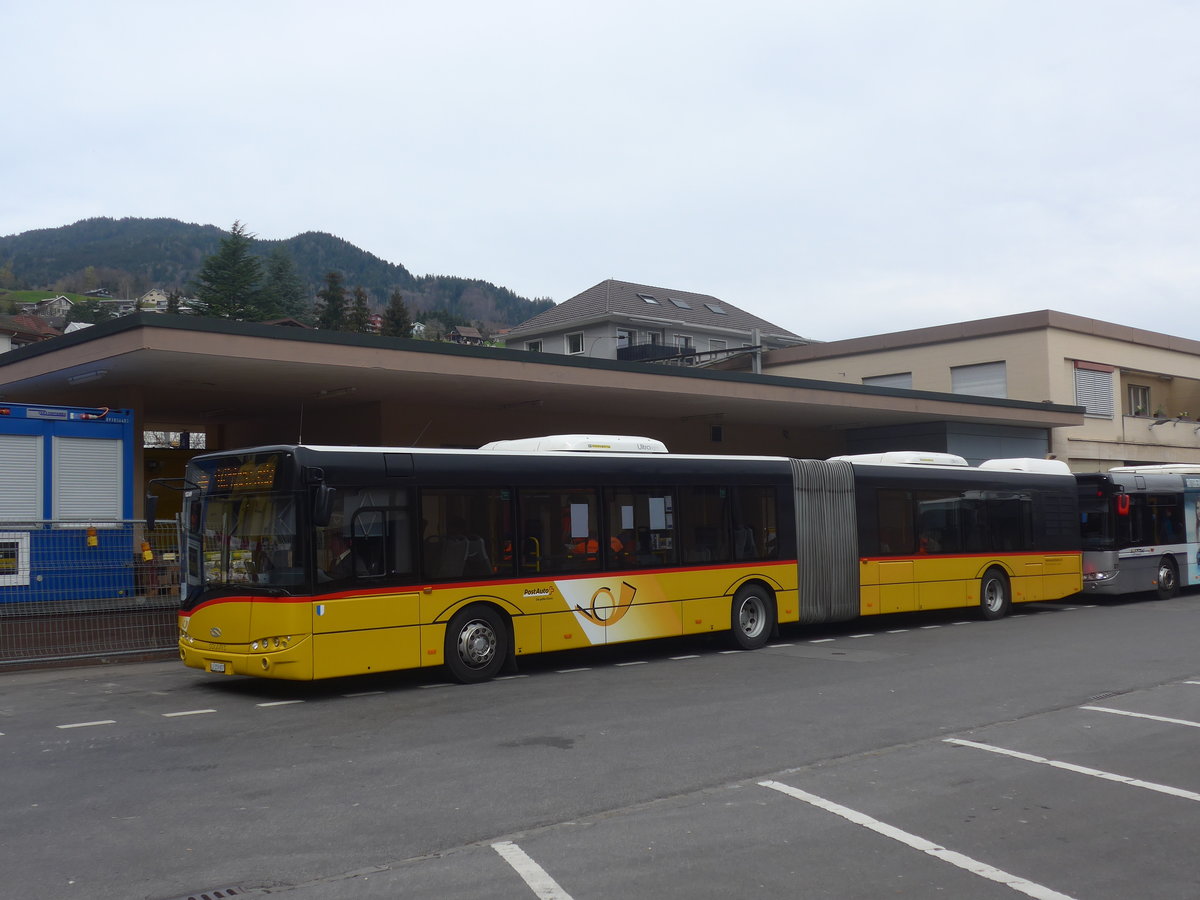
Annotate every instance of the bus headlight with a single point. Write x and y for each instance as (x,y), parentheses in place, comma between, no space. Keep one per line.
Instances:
(1100,576)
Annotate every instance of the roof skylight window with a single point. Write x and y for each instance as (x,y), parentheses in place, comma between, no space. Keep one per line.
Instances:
(682,304)
(648,298)
(717,308)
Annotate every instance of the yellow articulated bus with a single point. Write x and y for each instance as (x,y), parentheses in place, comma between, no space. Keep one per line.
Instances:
(305,562)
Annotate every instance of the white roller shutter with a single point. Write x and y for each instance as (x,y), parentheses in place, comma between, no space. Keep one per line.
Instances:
(20,477)
(984,380)
(1094,389)
(87,479)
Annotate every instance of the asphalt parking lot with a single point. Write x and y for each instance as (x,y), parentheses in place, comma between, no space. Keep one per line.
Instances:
(1050,755)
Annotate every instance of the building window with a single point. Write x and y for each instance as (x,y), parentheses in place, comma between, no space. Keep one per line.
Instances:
(648,299)
(682,304)
(625,338)
(14,558)
(533,346)
(1094,388)
(575,342)
(683,341)
(716,308)
(983,380)
(1139,400)
(653,338)
(714,344)
(896,380)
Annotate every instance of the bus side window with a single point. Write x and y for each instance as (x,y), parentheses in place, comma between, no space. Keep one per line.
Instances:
(754,525)
(466,532)
(560,531)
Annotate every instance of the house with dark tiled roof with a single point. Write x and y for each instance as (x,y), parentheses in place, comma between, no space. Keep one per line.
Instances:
(25,328)
(623,320)
(465,334)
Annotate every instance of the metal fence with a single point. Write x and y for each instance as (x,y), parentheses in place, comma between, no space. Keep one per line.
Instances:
(75,591)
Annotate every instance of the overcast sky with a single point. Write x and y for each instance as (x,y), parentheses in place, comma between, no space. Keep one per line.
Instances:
(839,168)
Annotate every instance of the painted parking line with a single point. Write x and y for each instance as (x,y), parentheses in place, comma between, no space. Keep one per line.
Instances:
(1082,770)
(187,712)
(687,656)
(538,879)
(362,694)
(1136,715)
(279,703)
(639,662)
(983,870)
(88,724)
(821,641)
(573,671)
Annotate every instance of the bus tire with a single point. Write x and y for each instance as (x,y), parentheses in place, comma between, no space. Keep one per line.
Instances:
(1167,584)
(752,617)
(476,644)
(995,594)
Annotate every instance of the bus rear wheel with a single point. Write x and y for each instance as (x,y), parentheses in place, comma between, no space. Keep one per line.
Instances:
(752,617)
(476,644)
(995,597)
(1168,578)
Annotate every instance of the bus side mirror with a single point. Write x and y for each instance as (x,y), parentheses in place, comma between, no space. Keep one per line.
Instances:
(323,506)
(151,510)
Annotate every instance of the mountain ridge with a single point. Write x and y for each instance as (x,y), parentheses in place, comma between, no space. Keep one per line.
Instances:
(129,256)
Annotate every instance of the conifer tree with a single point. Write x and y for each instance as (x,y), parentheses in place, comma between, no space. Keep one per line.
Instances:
(396,320)
(283,291)
(359,316)
(332,313)
(228,285)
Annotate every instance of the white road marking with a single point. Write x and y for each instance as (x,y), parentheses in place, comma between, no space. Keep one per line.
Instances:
(1082,770)
(821,641)
(508,677)
(640,662)
(570,671)
(861,635)
(778,646)
(188,712)
(363,694)
(898,631)
(1192,682)
(983,870)
(279,703)
(928,627)
(538,879)
(1124,712)
(88,724)
(688,656)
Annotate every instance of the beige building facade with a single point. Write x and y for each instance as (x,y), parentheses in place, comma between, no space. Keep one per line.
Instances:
(1140,390)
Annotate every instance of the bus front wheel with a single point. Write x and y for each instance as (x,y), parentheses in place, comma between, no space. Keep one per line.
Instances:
(995,597)
(1168,578)
(476,644)
(752,617)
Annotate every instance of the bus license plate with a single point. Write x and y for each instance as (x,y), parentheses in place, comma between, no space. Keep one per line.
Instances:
(217,667)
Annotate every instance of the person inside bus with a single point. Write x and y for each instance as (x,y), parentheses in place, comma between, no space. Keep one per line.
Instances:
(337,562)
(1168,527)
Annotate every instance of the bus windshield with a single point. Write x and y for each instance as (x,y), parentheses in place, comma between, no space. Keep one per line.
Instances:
(249,538)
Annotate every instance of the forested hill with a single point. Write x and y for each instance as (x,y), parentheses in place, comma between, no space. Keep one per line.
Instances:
(130,256)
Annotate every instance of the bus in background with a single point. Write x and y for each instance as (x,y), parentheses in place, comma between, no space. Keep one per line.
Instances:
(1141,529)
(309,562)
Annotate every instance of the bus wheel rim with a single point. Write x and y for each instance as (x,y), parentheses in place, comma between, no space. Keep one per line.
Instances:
(993,595)
(476,644)
(751,617)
